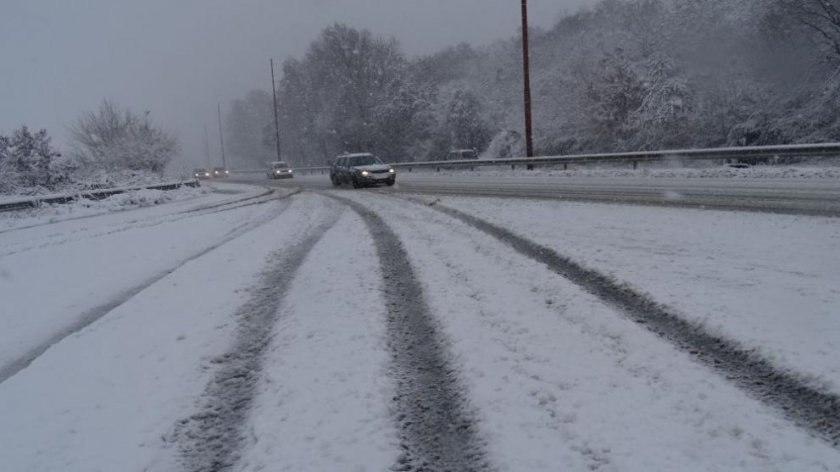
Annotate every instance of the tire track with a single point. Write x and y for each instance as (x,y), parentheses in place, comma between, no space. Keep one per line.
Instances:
(812,409)
(93,315)
(437,431)
(211,439)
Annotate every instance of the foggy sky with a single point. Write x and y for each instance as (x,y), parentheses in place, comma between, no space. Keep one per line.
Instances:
(178,58)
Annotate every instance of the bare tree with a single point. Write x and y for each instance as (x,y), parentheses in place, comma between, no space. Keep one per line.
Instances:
(820,16)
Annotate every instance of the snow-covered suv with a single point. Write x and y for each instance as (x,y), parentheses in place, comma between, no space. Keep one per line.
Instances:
(361,170)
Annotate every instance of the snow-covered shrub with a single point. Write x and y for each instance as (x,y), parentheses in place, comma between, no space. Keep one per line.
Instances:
(115,139)
(29,164)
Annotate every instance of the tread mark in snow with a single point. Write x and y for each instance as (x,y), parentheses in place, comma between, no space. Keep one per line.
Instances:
(808,407)
(86,319)
(210,440)
(437,433)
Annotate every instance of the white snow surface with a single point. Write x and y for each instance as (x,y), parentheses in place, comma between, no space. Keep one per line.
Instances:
(556,379)
(53,275)
(770,282)
(107,398)
(561,382)
(324,400)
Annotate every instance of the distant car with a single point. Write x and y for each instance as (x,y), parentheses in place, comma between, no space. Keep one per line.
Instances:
(279,170)
(202,174)
(361,170)
(462,154)
(220,173)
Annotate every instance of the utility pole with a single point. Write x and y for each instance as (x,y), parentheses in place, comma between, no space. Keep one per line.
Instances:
(207,148)
(276,121)
(526,65)
(221,135)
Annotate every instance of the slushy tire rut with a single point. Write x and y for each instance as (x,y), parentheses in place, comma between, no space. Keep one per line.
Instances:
(211,439)
(437,433)
(805,405)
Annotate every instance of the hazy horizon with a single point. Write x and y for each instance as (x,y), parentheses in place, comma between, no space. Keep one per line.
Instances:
(179,59)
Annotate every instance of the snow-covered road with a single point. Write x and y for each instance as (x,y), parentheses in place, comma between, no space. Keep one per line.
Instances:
(355,330)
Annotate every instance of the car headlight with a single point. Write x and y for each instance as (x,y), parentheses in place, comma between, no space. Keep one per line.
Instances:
(365,173)
(392,171)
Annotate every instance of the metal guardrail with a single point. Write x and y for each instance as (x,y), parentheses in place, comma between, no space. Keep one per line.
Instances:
(35,202)
(740,153)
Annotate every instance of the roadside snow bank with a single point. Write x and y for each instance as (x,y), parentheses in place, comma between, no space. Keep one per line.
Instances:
(131,199)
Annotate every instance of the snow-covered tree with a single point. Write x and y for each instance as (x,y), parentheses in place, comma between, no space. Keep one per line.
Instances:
(349,93)
(623,75)
(114,138)
(29,164)
(666,107)
(464,125)
(615,97)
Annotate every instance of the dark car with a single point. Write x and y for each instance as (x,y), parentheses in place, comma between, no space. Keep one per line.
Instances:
(202,174)
(220,172)
(279,170)
(361,170)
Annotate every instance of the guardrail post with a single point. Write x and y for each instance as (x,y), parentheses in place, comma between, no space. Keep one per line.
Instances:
(529,167)
(635,164)
(513,167)
(565,166)
(438,168)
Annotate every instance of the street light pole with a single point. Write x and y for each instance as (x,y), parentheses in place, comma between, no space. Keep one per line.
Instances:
(276,121)
(529,145)
(221,135)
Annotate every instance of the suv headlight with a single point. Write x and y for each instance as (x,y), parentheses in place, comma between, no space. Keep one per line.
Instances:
(365,173)
(392,171)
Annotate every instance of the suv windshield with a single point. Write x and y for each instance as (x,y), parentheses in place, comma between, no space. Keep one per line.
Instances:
(279,165)
(363,161)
